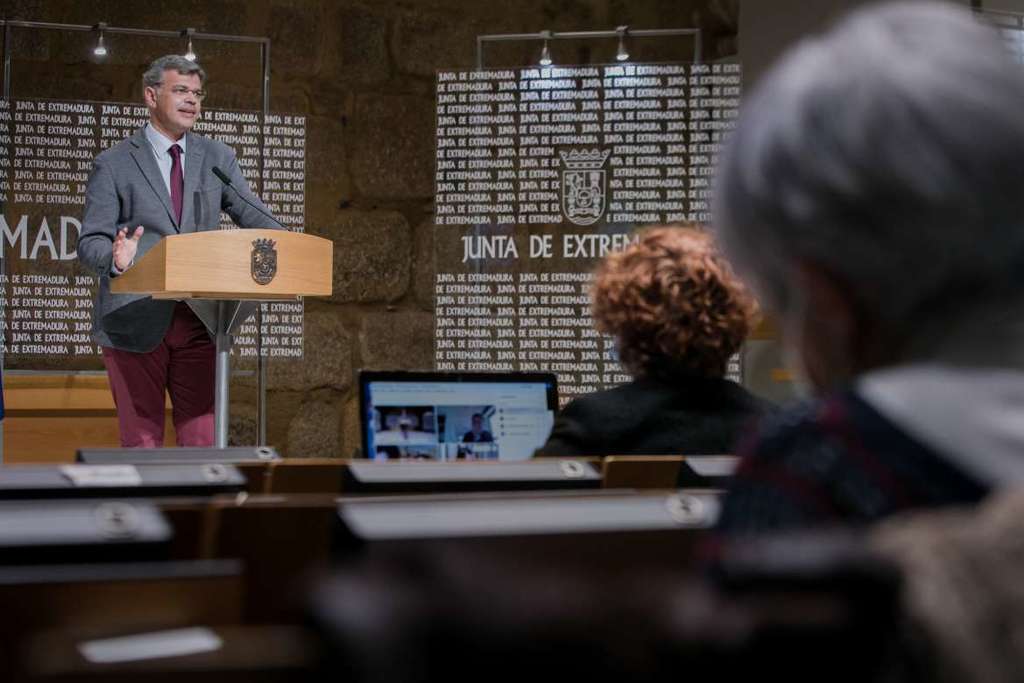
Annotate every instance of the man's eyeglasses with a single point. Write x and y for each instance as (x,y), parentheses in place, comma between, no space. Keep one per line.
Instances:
(181,91)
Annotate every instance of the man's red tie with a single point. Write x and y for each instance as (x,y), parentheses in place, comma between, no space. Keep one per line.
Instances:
(177,182)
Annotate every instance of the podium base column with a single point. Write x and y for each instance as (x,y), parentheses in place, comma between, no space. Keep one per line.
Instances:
(222,376)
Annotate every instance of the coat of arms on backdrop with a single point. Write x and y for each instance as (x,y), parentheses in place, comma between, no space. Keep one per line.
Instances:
(583,185)
(264,261)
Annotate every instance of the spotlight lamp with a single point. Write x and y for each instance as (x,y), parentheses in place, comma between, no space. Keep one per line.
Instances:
(190,53)
(545,53)
(622,54)
(101,49)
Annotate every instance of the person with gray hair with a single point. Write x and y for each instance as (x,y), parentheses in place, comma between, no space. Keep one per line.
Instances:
(871,195)
(154,74)
(159,182)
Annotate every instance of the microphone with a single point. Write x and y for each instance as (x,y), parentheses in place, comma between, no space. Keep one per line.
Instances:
(227,181)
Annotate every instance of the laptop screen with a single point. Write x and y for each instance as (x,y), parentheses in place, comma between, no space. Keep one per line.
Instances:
(455,416)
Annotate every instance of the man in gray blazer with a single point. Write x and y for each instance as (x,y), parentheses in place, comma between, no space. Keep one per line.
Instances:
(156,183)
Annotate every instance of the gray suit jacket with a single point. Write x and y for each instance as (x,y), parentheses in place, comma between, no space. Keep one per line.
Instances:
(126,189)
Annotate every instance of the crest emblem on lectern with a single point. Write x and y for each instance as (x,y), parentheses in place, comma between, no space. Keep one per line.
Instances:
(264,261)
(583,185)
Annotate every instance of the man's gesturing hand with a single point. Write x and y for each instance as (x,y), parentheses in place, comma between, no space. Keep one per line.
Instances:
(125,247)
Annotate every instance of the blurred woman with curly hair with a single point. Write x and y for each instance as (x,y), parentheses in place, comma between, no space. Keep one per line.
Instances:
(677,314)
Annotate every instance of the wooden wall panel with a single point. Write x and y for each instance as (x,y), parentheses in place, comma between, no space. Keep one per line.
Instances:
(48,417)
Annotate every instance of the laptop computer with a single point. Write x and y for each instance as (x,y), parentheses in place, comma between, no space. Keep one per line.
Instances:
(455,416)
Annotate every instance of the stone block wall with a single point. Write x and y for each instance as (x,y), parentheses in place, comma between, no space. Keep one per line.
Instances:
(363,75)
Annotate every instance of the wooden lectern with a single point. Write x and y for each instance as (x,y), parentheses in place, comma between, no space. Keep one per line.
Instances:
(218,271)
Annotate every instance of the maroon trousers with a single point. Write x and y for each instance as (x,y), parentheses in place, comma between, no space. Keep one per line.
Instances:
(182,365)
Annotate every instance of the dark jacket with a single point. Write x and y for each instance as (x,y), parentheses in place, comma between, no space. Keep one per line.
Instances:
(678,416)
(834,461)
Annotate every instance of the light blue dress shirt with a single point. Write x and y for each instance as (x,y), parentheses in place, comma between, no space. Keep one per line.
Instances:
(161,145)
